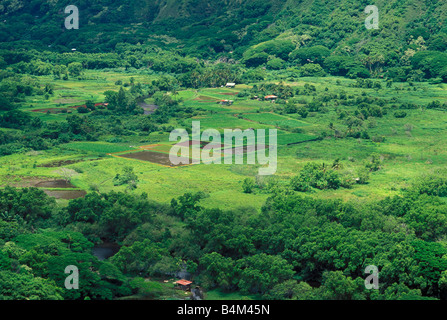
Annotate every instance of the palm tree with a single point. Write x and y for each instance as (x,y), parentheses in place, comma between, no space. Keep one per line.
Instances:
(174,90)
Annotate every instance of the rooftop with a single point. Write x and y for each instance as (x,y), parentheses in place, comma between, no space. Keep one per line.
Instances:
(183,282)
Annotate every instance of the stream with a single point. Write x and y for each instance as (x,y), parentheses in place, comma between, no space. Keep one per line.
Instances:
(105,250)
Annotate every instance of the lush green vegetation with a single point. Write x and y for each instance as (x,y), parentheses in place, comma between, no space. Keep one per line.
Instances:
(84,136)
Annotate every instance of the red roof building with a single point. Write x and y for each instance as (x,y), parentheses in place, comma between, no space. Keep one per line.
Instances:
(183,284)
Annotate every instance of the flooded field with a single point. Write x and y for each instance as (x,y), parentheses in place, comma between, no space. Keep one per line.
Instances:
(64,110)
(162,158)
(148,108)
(60,163)
(52,110)
(190,143)
(205,99)
(225,148)
(61,194)
(244,149)
(55,184)
(105,250)
(66,194)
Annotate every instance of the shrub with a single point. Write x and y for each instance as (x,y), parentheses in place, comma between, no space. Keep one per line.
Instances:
(318,176)
(312,70)
(248,185)
(275,64)
(315,54)
(82,110)
(362,176)
(400,114)
(375,162)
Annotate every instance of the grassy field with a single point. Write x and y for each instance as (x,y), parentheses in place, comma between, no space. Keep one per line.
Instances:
(413,145)
(409,147)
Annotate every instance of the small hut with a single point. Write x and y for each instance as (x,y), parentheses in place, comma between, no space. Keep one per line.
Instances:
(270,97)
(183,284)
(226,102)
(230,85)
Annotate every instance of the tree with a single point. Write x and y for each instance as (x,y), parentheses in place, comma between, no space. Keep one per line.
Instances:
(187,205)
(75,69)
(374,163)
(59,71)
(166,266)
(30,204)
(336,286)
(91,286)
(218,270)
(315,54)
(340,65)
(432,262)
(255,60)
(121,101)
(291,290)
(261,272)
(399,291)
(362,176)
(312,70)
(316,175)
(15,286)
(87,209)
(66,173)
(389,83)
(126,177)
(147,289)
(374,62)
(5,103)
(9,227)
(275,64)
(248,185)
(139,257)
(90,105)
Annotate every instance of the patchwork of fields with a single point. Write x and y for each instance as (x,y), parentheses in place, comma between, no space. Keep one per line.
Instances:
(95,164)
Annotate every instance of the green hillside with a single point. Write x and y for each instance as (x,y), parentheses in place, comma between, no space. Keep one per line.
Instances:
(257,33)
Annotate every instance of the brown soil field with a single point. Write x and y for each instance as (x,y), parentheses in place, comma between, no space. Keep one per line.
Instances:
(66,101)
(244,149)
(60,163)
(21,182)
(205,99)
(43,182)
(151,156)
(51,110)
(55,184)
(66,194)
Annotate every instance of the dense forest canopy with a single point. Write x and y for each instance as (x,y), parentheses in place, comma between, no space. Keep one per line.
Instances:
(410,42)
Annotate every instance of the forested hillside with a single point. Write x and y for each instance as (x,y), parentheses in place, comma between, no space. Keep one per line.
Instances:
(328,33)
